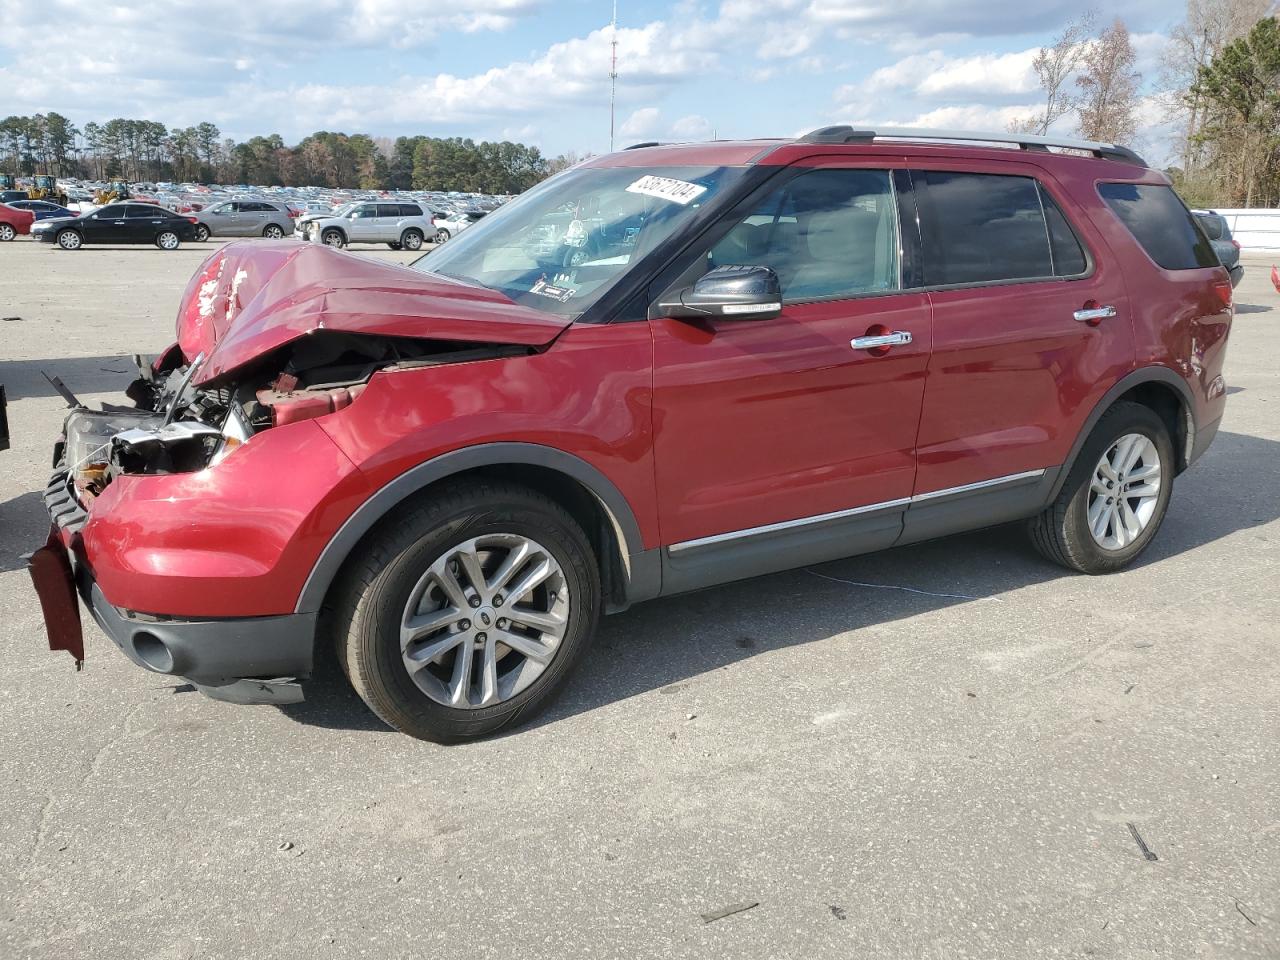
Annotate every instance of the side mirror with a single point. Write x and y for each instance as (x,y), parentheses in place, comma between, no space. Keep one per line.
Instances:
(733,292)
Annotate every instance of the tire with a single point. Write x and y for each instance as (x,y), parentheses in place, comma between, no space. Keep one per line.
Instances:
(384,586)
(333,237)
(167,240)
(1064,533)
(70,240)
(272,231)
(411,239)
(442,235)
(7,232)
(202,233)
(393,245)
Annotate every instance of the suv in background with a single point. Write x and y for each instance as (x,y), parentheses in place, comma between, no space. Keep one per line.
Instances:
(244,218)
(399,224)
(664,369)
(1219,233)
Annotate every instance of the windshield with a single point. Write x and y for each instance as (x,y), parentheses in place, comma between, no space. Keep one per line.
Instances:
(562,245)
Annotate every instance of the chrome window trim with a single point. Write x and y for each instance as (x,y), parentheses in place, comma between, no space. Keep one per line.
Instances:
(855,511)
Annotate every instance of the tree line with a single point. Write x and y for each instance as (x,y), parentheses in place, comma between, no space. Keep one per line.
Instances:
(1219,86)
(142,150)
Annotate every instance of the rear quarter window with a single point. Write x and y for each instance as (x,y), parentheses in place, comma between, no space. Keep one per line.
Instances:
(1161,224)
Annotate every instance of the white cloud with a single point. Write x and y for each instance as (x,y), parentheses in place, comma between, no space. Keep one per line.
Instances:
(692,127)
(643,123)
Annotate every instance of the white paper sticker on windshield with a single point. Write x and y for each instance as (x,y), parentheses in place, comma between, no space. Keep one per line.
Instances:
(677,191)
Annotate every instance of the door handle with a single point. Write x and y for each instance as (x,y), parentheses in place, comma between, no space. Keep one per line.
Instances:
(1092,315)
(897,338)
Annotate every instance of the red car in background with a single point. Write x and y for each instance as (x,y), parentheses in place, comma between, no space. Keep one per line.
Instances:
(14,221)
(666,368)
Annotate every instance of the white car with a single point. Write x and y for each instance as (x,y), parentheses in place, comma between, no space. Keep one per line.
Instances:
(452,224)
(398,224)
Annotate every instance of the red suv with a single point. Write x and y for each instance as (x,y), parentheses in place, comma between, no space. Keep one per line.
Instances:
(666,368)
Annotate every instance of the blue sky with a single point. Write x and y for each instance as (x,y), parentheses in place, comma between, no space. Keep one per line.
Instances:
(537,70)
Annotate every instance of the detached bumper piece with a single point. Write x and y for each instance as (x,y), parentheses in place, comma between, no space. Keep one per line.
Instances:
(52,576)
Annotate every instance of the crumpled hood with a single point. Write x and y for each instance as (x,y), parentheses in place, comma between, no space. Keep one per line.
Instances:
(254,296)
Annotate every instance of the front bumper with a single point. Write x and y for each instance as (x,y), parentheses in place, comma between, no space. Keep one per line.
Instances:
(241,659)
(44,236)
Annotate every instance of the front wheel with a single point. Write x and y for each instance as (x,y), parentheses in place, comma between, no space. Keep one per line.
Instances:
(167,240)
(273,232)
(7,232)
(333,238)
(393,244)
(70,240)
(1115,497)
(468,612)
(202,233)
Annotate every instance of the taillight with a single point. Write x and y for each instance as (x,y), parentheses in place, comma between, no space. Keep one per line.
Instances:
(1236,244)
(294,214)
(1223,289)
(192,220)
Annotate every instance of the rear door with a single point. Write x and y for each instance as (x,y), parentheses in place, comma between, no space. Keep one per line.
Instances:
(784,441)
(387,221)
(143,222)
(1031,327)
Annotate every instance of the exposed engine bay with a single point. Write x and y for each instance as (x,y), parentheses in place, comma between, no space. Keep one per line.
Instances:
(181,427)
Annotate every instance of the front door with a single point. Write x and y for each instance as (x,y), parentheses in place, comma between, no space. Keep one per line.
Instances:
(363,225)
(107,225)
(787,441)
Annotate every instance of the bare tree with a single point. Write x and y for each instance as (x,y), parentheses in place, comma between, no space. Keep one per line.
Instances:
(1054,66)
(1109,84)
(1210,25)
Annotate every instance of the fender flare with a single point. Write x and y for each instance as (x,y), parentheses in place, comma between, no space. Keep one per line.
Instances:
(340,545)
(1165,376)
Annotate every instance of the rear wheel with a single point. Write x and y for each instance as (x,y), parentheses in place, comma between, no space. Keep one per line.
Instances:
(333,238)
(1115,497)
(202,233)
(7,232)
(468,612)
(272,231)
(70,240)
(411,239)
(167,240)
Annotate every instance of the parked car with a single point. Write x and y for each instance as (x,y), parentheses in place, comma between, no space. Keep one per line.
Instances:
(450,225)
(489,449)
(14,221)
(43,209)
(8,196)
(118,223)
(400,225)
(1224,245)
(244,218)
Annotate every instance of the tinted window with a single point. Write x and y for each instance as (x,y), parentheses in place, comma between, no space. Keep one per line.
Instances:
(257,206)
(410,210)
(1212,225)
(981,228)
(1158,220)
(827,234)
(389,210)
(141,211)
(1068,256)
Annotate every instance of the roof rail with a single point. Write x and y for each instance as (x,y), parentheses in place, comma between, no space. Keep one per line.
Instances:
(641,146)
(1024,141)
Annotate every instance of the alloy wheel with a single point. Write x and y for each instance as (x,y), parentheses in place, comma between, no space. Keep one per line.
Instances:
(7,232)
(168,241)
(485,621)
(273,232)
(1124,491)
(69,240)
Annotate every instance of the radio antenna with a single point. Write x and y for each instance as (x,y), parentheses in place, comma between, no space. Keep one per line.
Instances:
(613,74)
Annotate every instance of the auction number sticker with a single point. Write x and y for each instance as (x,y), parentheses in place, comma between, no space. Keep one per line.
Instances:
(542,288)
(677,191)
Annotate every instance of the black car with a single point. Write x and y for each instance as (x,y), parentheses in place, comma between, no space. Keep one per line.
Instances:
(117,223)
(1215,227)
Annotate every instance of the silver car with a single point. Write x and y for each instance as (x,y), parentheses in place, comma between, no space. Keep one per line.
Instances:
(244,218)
(399,224)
